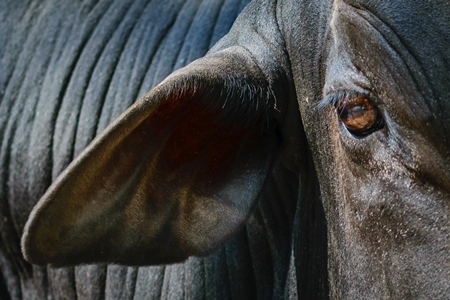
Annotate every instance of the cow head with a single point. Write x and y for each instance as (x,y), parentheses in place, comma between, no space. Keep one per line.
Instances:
(372,81)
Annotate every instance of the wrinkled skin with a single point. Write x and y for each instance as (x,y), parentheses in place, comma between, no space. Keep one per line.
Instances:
(68,70)
(372,214)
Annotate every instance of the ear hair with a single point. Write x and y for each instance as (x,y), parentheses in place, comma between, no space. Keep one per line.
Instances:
(237,99)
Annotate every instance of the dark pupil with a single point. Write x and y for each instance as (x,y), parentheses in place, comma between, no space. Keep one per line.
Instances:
(353,111)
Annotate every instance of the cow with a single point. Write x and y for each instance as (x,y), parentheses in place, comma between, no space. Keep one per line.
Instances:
(347,100)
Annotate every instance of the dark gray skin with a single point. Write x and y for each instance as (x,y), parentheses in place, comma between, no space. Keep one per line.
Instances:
(279,87)
(68,70)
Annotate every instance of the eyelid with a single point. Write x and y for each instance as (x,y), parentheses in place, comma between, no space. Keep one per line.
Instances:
(336,97)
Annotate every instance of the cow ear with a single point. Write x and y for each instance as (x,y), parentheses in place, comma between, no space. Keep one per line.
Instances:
(176,175)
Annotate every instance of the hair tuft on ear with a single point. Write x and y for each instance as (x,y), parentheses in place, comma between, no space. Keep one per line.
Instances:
(236,99)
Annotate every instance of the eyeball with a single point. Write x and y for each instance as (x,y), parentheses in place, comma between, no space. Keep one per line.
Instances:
(359,115)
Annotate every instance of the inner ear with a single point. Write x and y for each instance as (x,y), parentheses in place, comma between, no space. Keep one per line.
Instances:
(176,175)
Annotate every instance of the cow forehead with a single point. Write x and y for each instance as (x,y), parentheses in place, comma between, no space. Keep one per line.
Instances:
(418,32)
(422,28)
(417,35)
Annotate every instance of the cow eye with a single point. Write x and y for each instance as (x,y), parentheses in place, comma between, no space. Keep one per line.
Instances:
(359,115)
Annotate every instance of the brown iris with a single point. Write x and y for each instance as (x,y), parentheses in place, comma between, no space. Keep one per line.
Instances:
(358,115)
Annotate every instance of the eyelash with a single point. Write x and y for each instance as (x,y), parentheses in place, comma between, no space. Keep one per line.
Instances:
(336,97)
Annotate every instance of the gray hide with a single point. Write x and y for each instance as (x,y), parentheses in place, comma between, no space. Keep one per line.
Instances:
(68,68)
